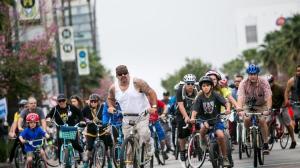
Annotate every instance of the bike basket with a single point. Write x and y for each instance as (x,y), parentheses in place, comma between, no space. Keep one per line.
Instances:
(67,132)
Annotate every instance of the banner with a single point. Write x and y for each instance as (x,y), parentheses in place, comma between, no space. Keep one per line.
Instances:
(3,109)
(29,10)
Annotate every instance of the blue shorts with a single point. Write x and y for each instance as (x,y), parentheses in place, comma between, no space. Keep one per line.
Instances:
(159,130)
(220,126)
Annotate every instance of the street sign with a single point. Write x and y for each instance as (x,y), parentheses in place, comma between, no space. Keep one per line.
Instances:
(66,39)
(83,61)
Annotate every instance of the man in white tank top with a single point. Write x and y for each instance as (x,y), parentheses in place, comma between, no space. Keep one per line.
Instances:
(131,93)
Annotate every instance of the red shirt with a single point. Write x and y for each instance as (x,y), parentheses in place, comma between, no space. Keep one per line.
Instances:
(154,117)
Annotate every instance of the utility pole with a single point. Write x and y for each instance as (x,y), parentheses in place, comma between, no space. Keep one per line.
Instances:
(58,56)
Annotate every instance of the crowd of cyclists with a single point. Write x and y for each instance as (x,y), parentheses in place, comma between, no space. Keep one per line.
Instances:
(131,102)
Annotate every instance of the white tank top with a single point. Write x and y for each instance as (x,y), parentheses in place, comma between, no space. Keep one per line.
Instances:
(131,101)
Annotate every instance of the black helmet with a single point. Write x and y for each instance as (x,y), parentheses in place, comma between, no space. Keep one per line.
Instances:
(22,102)
(94,96)
(205,79)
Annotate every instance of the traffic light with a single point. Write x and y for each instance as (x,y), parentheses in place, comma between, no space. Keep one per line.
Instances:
(83,61)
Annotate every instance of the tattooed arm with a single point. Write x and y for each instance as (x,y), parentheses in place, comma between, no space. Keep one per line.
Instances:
(143,87)
(111,100)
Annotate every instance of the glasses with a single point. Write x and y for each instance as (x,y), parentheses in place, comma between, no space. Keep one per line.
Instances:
(93,101)
(237,81)
(121,74)
(60,101)
(190,83)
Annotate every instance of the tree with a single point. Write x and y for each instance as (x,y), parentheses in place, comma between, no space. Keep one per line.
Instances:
(194,66)
(233,67)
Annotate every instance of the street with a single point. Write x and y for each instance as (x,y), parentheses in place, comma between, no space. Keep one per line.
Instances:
(278,158)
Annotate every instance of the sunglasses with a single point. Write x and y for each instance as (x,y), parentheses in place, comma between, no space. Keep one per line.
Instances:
(121,74)
(190,83)
(93,101)
(237,81)
(60,101)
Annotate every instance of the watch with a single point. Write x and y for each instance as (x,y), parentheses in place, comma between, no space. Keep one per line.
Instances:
(154,106)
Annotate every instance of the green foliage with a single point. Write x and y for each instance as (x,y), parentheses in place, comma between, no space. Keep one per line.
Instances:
(194,66)
(234,67)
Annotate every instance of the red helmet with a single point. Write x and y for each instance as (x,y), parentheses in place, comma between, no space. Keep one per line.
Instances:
(223,82)
(32,117)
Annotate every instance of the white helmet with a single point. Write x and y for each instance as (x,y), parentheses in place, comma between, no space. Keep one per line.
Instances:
(189,78)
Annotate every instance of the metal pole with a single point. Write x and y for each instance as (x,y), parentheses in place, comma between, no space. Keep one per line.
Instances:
(58,57)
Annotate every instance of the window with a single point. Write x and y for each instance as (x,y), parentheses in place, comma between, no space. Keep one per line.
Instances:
(251,34)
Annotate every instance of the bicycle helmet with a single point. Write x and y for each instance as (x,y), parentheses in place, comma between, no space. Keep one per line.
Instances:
(189,78)
(22,102)
(270,78)
(252,69)
(212,72)
(32,117)
(94,96)
(223,82)
(205,79)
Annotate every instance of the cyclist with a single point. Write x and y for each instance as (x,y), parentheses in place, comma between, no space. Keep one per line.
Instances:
(277,102)
(32,132)
(293,91)
(256,91)
(163,111)
(63,113)
(93,115)
(76,101)
(32,108)
(131,93)
(185,97)
(207,106)
(13,132)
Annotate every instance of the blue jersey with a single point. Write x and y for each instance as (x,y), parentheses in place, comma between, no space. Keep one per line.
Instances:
(32,134)
(114,119)
(172,106)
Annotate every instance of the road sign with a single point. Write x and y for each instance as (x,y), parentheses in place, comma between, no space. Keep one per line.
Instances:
(66,39)
(83,61)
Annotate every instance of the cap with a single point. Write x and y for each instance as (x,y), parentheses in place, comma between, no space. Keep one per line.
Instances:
(61,97)
(121,69)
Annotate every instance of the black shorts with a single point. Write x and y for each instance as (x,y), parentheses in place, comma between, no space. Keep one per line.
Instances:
(182,133)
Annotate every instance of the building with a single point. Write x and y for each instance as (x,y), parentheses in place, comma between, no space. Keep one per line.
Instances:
(253,23)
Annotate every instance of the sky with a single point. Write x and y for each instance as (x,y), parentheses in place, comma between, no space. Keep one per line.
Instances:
(154,37)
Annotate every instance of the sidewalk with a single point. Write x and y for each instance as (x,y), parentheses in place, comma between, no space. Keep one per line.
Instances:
(5,165)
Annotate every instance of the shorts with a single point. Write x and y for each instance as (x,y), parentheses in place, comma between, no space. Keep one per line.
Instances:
(159,130)
(284,118)
(218,126)
(182,133)
(296,111)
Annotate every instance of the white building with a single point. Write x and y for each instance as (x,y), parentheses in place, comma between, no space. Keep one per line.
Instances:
(253,23)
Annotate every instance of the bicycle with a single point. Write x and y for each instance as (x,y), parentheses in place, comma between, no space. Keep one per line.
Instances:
(242,136)
(158,151)
(296,104)
(20,156)
(50,145)
(37,161)
(117,145)
(133,153)
(212,145)
(277,130)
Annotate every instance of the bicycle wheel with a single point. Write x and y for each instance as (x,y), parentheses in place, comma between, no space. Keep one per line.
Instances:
(196,155)
(41,164)
(284,139)
(51,155)
(255,147)
(176,145)
(272,132)
(159,153)
(144,160)
(128,154)
(214,154)
(247,146)
(229,149)
(116,155)
(261,156)
(240,140)
(19,157)
(99,155)
(65,157)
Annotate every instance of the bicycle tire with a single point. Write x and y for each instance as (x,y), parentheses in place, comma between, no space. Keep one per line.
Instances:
(19,157)
(247,146)
(285,135)
(229,149)
(194,151)
(123,156)
(41,164)
(116,155)
(255,147)
(240,141)
(214,154)
(272,132)
(261,156)
(176,151)
(158,152)
(99,155)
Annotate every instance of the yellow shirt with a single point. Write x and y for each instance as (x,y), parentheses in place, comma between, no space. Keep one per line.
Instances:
(16,116)
(225,92)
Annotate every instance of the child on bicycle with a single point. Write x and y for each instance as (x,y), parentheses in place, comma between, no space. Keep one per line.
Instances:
(208,106)
(32,132)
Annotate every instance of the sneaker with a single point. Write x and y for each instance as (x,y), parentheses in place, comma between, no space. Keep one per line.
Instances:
(293,145)
(266,149)
(226,162)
